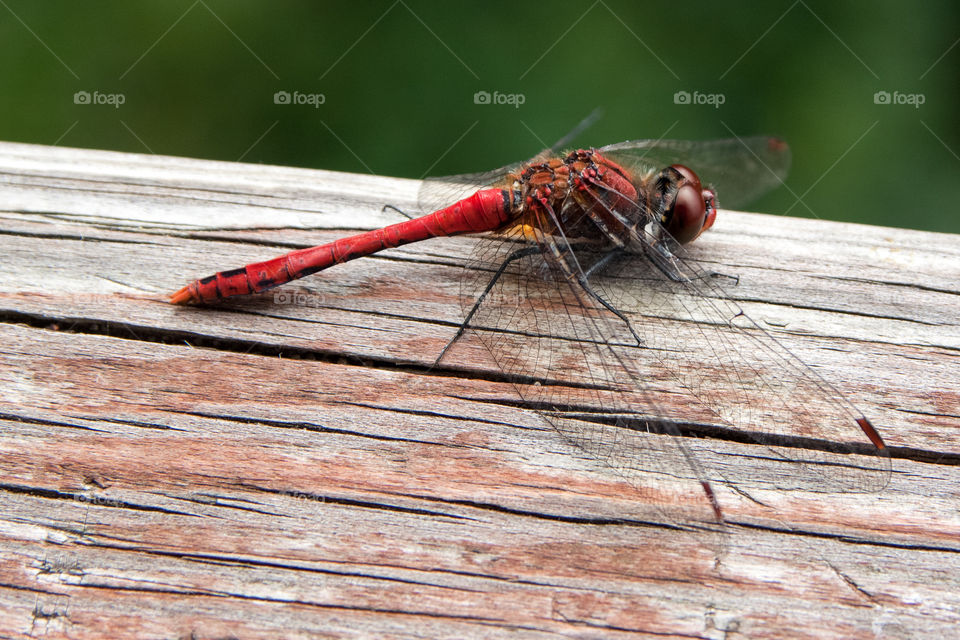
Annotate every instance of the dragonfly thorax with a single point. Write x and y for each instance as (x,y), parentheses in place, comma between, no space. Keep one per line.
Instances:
(583,195)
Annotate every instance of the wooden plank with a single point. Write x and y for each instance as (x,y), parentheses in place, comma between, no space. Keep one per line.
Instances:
(294,466)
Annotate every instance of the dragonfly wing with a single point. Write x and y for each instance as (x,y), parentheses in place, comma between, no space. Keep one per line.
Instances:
(572,361)
(739,169)
(754,388)
(439,192)
(442,191)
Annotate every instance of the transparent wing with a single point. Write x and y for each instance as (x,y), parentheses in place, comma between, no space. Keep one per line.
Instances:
(625,353)
(748,381)
(740,169)
(573,361)
(441,191)
(692,330)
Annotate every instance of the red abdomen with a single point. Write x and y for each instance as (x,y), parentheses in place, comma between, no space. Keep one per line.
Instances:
(485,210)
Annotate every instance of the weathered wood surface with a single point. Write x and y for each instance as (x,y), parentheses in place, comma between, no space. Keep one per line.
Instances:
(298,470)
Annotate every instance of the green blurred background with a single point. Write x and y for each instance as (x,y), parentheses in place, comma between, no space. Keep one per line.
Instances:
(398,79)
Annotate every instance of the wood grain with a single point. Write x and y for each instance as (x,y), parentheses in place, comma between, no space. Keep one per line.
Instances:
(293,465)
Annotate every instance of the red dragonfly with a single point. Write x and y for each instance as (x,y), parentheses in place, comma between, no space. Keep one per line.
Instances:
(586,297)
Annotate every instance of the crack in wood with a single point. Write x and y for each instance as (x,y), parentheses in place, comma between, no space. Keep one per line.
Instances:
(53,494)
(364,504)
(308,426)
(872,542)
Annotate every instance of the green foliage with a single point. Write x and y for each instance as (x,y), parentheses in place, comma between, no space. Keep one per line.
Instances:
(398,80)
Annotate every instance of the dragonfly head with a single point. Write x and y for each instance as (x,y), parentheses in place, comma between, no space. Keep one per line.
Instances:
(692,209)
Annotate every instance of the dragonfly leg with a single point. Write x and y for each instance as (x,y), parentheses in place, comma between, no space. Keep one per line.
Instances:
(585,285)
(516,255)
(604,261)
(717,274)
(584,278)
(665,261)
(398,210)
(572,271)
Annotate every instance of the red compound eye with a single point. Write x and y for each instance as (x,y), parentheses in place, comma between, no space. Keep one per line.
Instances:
(694,208)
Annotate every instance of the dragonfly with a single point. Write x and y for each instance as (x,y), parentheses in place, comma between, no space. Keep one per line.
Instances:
(583,289)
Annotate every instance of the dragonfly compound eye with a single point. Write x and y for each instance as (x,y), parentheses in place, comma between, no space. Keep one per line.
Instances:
(693,209)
